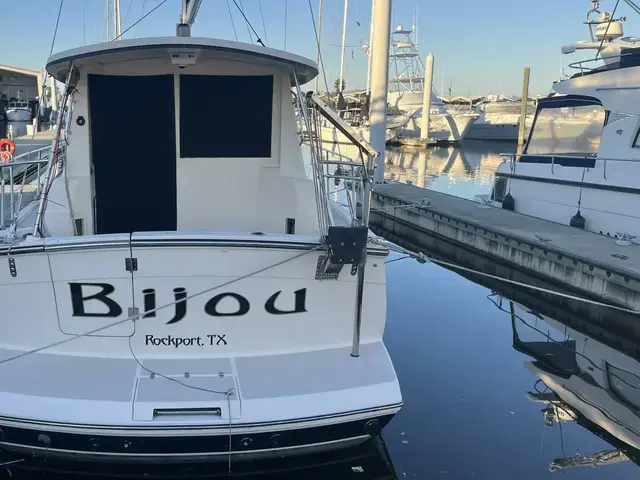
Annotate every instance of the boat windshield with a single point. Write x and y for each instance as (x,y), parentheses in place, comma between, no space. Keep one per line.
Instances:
(567,130)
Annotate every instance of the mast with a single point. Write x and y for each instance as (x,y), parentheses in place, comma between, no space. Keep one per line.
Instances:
(373,19)
(319,37)
(116,20)
(344,39)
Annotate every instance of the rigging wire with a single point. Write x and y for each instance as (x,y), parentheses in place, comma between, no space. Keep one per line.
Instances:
(264,27)
(258,39)
(249,26)
(607,29)
(241,8)
(233,24)
(285,24)
(141,19)
(315,29)
(55,31)
(126,15)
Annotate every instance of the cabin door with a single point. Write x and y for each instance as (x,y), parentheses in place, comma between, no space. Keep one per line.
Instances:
(133,149)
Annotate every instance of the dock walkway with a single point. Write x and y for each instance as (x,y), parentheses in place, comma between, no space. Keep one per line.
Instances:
(585,261)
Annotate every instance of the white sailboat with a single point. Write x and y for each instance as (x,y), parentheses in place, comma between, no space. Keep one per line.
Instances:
(195,294)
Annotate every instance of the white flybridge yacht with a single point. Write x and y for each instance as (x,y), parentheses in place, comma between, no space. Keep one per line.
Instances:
(580,165)
(178,290)
(406,92)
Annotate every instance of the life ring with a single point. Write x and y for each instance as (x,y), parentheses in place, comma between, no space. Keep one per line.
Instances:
(4,156)
(7,145)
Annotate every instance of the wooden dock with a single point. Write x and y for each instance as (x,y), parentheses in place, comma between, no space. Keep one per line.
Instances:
(591,264)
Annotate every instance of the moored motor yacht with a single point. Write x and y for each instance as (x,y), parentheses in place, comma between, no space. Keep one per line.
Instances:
(580,164)
(198,297)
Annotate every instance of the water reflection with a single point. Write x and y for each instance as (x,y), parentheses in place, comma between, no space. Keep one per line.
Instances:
(367,461)
(464,170)
(584,378)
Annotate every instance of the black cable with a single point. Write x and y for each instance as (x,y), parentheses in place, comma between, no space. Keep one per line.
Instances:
(315,29)
(264,27)
(249,24)
(141,18)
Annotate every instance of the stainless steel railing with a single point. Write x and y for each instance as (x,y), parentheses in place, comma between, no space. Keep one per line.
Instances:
(21,175)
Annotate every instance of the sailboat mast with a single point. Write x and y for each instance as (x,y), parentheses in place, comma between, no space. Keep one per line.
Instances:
(344,39)
(373,19)
(319,38)
(116,20)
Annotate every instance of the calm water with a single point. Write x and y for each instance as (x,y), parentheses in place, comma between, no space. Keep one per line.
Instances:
(453,342)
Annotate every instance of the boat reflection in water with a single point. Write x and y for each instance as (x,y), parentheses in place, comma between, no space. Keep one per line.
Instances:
(367,461)
(588,373)
(465,171)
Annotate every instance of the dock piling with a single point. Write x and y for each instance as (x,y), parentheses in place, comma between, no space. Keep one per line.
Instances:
(523,108)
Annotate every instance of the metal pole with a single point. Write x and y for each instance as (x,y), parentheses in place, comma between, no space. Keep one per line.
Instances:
(379,81)
(54,94)
(344,40)
(373,19)
(357,324)
(319,38)
(116,19)
(426,97)
(523,107)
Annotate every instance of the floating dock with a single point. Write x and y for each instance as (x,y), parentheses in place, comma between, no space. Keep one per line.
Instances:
(590,264)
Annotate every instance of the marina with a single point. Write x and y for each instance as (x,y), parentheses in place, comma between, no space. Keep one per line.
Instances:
(216,266)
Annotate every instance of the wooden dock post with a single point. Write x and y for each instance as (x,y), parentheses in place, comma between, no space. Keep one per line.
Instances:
(523,108)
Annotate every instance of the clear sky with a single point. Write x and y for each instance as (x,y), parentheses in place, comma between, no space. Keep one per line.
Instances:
(480,46)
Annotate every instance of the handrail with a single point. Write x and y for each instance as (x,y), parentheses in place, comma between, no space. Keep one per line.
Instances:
(579,64)
(23,173)
(342,126)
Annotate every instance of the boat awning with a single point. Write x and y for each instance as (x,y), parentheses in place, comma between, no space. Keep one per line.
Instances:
(166,47)
(563,101)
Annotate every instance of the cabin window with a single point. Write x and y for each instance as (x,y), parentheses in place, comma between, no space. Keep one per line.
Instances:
(625,385)
(568,130)
(226,116)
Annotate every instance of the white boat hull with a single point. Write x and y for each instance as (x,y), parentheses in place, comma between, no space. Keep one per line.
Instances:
(443,128)
(264,361)
(19,115)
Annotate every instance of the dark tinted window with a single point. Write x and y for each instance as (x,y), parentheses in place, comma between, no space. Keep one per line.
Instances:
(225,116)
